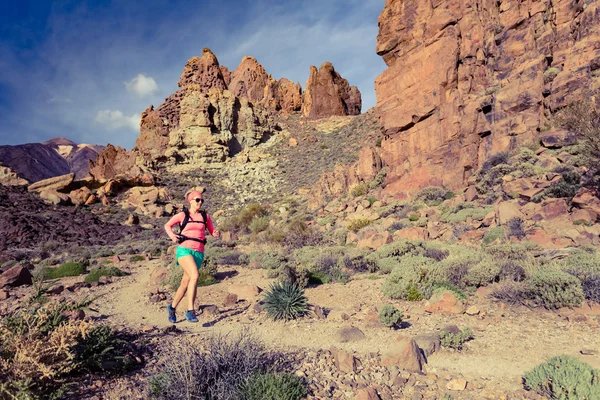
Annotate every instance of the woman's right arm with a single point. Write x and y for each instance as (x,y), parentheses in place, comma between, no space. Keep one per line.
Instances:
(176,219)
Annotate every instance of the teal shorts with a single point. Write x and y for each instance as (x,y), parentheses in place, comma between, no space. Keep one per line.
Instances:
(183,251)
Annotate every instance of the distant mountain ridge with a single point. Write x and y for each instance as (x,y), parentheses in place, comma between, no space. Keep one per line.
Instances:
(36,161)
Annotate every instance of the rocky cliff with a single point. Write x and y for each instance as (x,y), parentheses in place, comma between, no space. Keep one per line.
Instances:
(217,112)
(467,79)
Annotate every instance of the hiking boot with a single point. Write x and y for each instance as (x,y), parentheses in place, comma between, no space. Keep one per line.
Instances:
(190,315)
(172,317)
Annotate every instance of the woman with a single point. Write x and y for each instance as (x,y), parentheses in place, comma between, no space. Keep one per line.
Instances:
(190,252)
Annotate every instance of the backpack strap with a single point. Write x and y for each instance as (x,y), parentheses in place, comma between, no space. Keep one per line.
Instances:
(186,219)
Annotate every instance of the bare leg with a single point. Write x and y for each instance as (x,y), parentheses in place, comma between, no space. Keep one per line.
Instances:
(189,268)
(185,279)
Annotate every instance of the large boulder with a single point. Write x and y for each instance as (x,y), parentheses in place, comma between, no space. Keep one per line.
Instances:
(114,161)
(466,82)
(15,276)
(57,183)
(328,94)
(405,354)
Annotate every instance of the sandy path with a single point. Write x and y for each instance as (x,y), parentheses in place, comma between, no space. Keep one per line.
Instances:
(507,342)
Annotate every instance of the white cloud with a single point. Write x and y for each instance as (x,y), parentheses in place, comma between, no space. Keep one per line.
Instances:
(115,119)
(142,85)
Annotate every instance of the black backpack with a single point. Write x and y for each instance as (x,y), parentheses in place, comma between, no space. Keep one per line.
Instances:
(186,219)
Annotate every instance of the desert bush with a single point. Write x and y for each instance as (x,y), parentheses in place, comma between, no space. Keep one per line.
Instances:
(436,254)
(224,256)
(591,287)
(455,340)
(359,189)
(483,273)
(356,260)
(413,217)
(456,267)
(512,270)
(379,178)
(437,288)
(273,386)
(396,226)
(67,269)
(464,211)
(583,118)
(285,301)
(397,210)
(494,160)
(291,275)
(510,292)
(554,289)
(406,279)
(515,228)
(493,234)
(240,222)
(214,370)
(399,248)
(357,224)
(259,224)
(297,236)
(95,274)
(564,377)
(100,349)
(433,195)
(390,316)
(137,258)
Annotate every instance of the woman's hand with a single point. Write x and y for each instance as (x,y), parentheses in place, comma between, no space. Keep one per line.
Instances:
(216,233)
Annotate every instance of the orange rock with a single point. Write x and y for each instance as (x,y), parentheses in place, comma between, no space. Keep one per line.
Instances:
(444,303)
(404,354)
(112,162)
(412,233)
(375,241)
(344,361)
(328,94)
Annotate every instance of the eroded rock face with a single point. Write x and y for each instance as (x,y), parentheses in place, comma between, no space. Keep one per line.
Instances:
(327,94)
(216,124)
(466,80)
(112,162)
(205,72)
(249,80)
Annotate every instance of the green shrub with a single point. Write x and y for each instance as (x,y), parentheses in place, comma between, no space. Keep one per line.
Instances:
(411,273)
(455,340)
(482,273)
(137,258)
(399,248)
(259,224)
(357,224)
(387,265)
(95,274)
(493,234)
(564,377)
(359,189)
(273,386)
(67,269)
(413,217)
(379,179)
(550,74)
(390,316)
(433,195)
(516,228)
(554,289)
(285,301)
(464,211)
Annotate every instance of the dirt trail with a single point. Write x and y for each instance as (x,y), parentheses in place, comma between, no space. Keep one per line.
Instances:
(507,342)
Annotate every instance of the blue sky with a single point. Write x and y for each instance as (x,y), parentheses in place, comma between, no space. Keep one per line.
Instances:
(86,69)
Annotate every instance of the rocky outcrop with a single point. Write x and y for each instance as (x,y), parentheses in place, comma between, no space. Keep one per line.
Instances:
(57,183)
(216,124)
(337,182)
(327,94)
(249,80)
(283,95)
(203,72)
(465,81)
(11,178)
(114,161)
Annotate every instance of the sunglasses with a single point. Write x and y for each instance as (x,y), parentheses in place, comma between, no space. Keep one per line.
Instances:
(198,200)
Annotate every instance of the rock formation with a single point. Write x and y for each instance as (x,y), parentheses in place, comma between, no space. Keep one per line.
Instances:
(249,80)
(327,94)
(467,80)
(112,162)
(204,72)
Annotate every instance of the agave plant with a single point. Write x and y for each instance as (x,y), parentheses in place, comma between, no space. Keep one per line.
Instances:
(285,301)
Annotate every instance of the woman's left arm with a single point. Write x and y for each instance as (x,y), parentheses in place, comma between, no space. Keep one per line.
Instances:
(211,228)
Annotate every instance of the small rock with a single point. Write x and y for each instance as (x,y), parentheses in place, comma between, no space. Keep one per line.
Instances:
(350,334)
(428,343)
(343,361)
(319,313)
(56,289)
(257,308)
(589,352)
(338,315)
(367,394)
(210,310)
(16,276)
(472,310)
(457,384)
(230,300)
(4,294)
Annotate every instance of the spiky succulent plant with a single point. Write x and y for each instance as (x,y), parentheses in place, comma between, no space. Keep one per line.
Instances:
(286,301)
